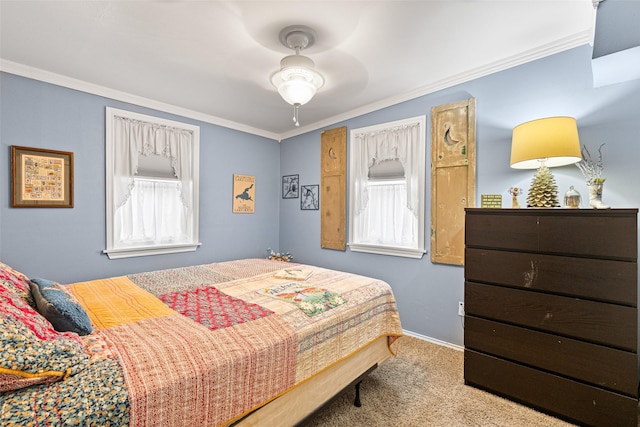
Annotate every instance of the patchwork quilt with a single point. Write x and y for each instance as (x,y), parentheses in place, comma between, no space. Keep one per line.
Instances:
(201,345)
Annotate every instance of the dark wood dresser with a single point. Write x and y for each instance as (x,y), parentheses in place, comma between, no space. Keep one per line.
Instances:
(551,310)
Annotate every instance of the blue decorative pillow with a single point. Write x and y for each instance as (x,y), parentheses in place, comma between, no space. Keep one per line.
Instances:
(59,308)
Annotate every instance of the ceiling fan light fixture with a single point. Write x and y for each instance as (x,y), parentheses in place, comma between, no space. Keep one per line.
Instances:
(296,92)
(297,80)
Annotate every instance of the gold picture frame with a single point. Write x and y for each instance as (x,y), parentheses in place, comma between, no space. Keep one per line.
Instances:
(41,178)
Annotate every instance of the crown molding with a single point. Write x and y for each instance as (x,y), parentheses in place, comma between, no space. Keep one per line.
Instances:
(71,83)
(578,39)
(561,45)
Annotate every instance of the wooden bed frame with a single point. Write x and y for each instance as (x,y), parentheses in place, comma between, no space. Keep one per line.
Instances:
(301,401)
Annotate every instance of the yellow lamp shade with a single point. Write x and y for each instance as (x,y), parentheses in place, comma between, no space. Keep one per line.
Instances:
(553,141)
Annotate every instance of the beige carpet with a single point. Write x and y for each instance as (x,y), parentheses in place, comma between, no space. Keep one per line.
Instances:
(424,386)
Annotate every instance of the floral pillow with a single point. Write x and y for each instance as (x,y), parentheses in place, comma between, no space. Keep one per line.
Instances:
(17,282)
(31,350)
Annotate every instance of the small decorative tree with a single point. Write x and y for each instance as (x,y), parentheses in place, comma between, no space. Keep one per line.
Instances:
(543,192)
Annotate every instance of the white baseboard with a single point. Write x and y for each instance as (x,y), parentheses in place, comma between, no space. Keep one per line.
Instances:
(433,340)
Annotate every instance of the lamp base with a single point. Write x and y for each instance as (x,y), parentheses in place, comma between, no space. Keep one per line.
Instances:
(543,192)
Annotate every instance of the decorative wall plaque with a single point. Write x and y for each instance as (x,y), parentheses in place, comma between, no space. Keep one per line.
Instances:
(333,188)
(453,177)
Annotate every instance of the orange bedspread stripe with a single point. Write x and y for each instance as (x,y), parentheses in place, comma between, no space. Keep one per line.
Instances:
(117,301)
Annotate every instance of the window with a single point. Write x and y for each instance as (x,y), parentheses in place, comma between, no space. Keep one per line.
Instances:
(387,179)
(152,185)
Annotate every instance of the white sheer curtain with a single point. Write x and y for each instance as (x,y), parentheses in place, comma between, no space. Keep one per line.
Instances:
(137,138)
(153,213)
(402,143)
(387,220)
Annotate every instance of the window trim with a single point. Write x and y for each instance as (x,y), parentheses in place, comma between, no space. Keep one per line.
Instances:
(407,252)
(122,252)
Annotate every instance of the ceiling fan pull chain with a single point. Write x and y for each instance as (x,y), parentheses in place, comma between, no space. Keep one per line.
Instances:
(296,106)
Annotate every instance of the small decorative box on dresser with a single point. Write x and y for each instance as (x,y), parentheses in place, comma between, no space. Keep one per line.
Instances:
(551,310)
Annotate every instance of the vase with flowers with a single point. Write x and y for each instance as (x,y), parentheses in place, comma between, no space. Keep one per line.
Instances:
(592,171)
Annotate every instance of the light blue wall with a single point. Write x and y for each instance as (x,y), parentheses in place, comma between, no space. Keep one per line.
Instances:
(66,244)
(427,293)
(616,27)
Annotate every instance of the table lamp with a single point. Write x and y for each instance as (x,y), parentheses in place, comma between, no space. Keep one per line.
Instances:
(541,144)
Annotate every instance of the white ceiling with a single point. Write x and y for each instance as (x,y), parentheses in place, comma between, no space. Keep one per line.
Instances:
(212,60)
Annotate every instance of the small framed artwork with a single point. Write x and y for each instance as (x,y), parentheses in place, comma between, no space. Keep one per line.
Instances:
(309,197)
(290,187)
(244,193)
(41,178)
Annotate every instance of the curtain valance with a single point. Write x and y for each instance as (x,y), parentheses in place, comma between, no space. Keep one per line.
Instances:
(398,142)
(136,138)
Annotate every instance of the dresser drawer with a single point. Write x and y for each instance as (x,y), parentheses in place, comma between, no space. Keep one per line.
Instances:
(498,231)
(573,400)
(600,236)
(602,323)
(601,280)
(607,234)
(598,365)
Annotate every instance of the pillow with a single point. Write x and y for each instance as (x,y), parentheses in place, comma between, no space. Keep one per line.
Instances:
(31,351)
(60,308)
(17,282)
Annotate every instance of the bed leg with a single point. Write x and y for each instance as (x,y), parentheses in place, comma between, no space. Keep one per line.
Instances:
(356,402)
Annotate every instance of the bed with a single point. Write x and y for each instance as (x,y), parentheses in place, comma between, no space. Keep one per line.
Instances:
(238,343)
